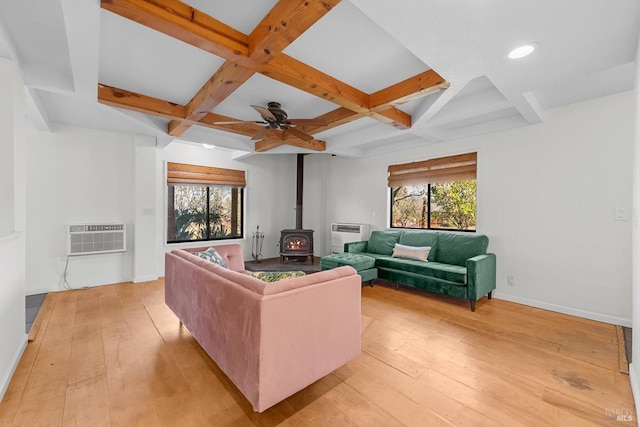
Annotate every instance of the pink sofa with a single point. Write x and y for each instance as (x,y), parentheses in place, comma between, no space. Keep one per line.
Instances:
(270,339)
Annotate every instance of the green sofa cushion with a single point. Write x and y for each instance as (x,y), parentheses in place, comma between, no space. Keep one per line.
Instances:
(421,238)
(382,242)
(448,272)
(457,248)
(357,261)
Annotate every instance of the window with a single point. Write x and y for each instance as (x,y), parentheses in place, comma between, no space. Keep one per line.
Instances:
(434,194)
(204,203)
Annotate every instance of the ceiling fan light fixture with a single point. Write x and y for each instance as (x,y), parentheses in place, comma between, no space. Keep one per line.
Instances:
(522,51)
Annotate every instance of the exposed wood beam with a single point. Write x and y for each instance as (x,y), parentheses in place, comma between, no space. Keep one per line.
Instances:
(333,118)
(185,23)
(279,28)
(224,82)
(394,117)
(121,98)
(246,129)
(144,104)
(312,144)
(274,138)
(380,102)
(172,18)
(407,90)
(304,77)
(300,75)
(286,21)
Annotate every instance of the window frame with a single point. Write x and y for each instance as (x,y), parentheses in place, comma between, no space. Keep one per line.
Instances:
(241,212)
(429,227)
(184,175)
(430,172)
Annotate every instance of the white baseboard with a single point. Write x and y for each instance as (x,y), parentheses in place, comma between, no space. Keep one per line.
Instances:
(614,320)
(6,378)
(635,390)
(148,278)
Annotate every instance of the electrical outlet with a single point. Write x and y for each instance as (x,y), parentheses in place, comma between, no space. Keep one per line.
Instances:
(511,281)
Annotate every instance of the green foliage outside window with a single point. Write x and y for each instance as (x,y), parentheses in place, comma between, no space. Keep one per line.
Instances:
(204,213)
(449,205)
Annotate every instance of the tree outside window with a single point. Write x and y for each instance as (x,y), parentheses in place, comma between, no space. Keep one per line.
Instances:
(446,205)
(204,213)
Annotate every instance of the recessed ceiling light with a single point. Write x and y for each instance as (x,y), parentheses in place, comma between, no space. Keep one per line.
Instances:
(208,146)
(522,51)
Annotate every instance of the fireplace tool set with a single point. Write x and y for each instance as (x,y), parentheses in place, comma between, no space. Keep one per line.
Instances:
(256,244)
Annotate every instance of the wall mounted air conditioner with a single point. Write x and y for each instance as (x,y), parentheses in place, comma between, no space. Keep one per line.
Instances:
(88,239)
(345,233)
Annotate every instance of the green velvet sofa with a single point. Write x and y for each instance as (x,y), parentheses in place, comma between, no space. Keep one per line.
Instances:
(457,265)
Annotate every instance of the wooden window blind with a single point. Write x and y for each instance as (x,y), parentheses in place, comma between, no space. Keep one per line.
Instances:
(443,169)
(180,173)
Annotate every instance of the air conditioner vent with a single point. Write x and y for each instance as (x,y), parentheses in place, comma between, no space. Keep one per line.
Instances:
(347,228)
(342,233)
(86,239)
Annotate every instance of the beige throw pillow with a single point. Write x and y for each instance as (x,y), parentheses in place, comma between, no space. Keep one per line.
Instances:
(419,253)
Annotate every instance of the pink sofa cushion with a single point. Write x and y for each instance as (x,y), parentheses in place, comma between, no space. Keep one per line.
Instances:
(230,253)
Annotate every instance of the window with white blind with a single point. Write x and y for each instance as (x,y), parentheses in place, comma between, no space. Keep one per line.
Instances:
(204,203)
(434,194)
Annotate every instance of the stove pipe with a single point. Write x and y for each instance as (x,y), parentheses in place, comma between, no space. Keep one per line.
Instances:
(299,178)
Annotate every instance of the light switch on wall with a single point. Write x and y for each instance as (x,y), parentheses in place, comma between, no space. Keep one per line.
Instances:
(620,214)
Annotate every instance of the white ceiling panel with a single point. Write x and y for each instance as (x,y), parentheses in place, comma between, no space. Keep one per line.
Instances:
(142,60)
(347,45)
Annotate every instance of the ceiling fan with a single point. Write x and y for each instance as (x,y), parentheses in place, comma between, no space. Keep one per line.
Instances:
(274,117)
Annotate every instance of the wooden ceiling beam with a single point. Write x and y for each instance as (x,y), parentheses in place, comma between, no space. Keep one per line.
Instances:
(272,139)
(277,30)
(304,77)
(407,90)
(276,138)
(284,23)
(171,17)
(212,120)
(394,117)
(312,144)
(333,119)
(229,77)
(381,103)
(183,22)
(121,98)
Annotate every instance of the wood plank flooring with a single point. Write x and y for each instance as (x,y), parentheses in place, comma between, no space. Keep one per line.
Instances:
(116,356)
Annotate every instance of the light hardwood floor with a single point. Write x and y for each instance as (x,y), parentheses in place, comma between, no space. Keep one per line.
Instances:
(116,356)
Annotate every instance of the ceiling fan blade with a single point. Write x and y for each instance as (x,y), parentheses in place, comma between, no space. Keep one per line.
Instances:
(299,134)
(307,122)
(262,132)
(265,113)
(239,121)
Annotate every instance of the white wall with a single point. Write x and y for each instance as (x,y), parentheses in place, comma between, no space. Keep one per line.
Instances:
(546,199)
(145,240)
(81,175)
(77,176)
(12,239)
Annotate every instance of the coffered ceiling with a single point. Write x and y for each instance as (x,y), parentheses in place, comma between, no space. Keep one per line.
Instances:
(376,76)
